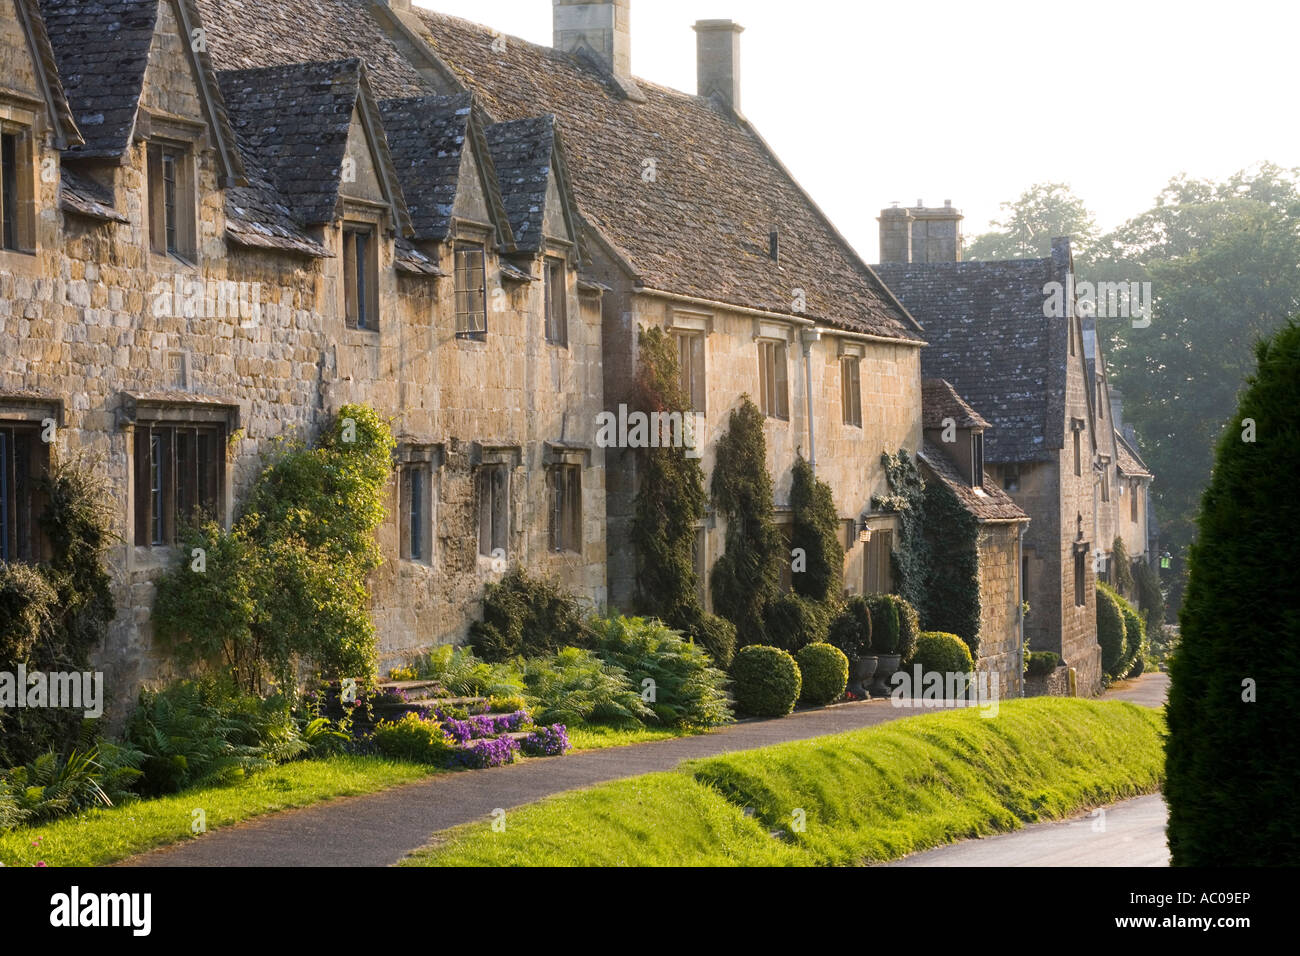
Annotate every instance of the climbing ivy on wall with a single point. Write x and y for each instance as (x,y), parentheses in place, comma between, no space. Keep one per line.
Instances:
(287,586)
(670,502)
(747,578)
(936,564)
(952,592)
(906,499)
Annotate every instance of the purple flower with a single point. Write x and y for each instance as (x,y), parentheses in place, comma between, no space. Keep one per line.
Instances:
(487,753)
(550,741)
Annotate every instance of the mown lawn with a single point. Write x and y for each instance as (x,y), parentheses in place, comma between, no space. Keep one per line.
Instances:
(602,736)
(865,796)
(110,834)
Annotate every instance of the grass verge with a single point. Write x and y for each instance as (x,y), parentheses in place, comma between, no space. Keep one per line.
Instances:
(603,736)
(111,834)
(865,796)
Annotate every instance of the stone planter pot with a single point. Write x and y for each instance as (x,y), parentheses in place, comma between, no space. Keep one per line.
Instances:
(861,671)
(887,668)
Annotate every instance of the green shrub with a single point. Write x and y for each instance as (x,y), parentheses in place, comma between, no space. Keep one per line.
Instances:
(575,686)
(1110,629)
(54,785)
(1121,570)
(1041,663)
(201,732)
(716,635)
(942,653)
(523,615)
(816,533)
(687,690)
(53,615)
(1135,640)
(767,682)
(288,585)
(851,629)
(825,674)
(412,738)
(886,625)
(909,627)
(1232,760)
(748,575)
(793,622)
(506,704)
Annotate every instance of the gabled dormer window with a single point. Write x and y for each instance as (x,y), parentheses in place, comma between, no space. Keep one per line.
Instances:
(171,200)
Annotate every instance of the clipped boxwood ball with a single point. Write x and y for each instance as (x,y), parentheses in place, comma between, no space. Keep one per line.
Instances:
(825,672)
(942,653)
(766,680)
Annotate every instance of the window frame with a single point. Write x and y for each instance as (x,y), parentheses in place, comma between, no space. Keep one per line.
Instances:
(851,390)
(977,459)
(24,462)
(174,236)
(493,493)
(555,278)
(1080,577)
(692,374)
(18,191)
(774,378)
(180,470)
(361,242)
(1134,487)
(465,317)
(565,505)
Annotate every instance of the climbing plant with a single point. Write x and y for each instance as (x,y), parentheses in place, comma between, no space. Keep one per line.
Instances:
(906,499)
(288,585)
(670,503)
(815,536)
(951,600)
(748,576)
(53,615)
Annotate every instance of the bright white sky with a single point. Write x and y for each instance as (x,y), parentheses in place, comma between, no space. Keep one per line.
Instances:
(869,102)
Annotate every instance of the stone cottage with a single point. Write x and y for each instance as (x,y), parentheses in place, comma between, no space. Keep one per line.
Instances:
(226,219)
(954,456)
(207,257)
(691,224)
(1027,373)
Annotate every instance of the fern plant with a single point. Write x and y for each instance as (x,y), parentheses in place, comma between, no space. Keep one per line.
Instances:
(574,686)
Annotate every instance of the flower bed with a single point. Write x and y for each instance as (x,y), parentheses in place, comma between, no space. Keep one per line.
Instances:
(550,741)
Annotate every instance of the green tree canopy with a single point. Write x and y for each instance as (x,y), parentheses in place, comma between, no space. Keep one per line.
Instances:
(1029,224)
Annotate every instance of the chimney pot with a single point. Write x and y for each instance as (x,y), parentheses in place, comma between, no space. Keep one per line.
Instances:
(717,44)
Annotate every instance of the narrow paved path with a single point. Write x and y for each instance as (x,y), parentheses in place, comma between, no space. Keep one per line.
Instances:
(1131,833)
(1149,690)
(380,829)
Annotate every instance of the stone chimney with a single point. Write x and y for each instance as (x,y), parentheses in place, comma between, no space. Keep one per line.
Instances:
(895,235)
(717,45)
(921,234)
(604,29)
